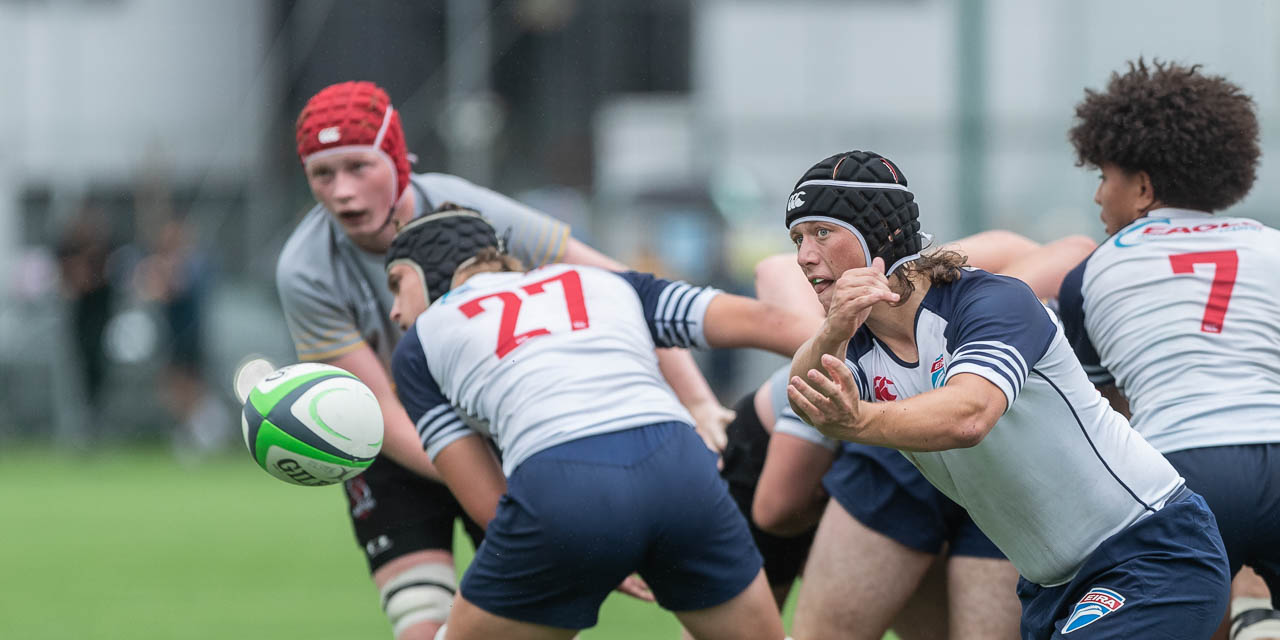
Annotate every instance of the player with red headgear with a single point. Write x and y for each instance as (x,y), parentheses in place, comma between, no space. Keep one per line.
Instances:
(333,290)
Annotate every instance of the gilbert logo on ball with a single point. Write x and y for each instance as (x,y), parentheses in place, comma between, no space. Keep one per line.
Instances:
(309,424)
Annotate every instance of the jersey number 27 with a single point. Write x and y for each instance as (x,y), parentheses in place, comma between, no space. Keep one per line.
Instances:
(570,283)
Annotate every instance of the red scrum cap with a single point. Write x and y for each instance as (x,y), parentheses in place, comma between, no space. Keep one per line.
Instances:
(354,115)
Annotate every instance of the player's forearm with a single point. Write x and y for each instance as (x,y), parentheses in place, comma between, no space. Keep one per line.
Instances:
(737,321)
(682,373)
(473,474)
(401,442)
(938,420)
(809,355)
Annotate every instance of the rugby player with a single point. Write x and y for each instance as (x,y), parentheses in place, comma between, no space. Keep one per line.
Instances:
(332,288)
(991,405)
(604,473)
(906,540)
(1177,315)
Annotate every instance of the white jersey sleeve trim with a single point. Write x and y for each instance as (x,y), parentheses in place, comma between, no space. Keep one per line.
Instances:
(678,318)
(791,424)
(439,427)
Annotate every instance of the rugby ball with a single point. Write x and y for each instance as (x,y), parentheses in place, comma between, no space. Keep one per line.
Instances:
(312,424)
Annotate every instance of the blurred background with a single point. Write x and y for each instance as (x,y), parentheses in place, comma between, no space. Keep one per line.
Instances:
(148,176)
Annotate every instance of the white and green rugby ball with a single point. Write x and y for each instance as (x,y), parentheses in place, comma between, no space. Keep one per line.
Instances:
(311,424)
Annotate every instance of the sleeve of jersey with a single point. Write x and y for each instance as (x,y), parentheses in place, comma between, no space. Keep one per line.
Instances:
(790,423)
(674,311)
(320,326)
(530,235)
(1071,312)
(999,331)
(437,422)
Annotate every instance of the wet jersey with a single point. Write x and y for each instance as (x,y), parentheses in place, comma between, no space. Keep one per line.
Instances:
(537,359)
(1060,471)
(335,294)
(1181,311)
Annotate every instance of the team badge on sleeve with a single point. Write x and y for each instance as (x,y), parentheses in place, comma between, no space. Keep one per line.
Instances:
(1095,604)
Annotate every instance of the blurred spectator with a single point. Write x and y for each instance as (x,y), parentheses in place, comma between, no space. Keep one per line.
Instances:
(82,251)
(176,276)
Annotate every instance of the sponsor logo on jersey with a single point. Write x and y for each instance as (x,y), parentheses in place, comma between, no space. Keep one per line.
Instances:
(1164,228)
(884,389)
(938,372)
(794,201)
(1095,604)
(329,134)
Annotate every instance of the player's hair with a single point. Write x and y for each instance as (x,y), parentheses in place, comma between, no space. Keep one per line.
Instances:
(488,259)
(942,266)
(1196,135)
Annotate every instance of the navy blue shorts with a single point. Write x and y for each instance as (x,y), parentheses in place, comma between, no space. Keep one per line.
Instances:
(882,490)
(1241,484)
(1163,577)
(579,517)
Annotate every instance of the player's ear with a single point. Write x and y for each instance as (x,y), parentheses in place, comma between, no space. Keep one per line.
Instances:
(1146,191)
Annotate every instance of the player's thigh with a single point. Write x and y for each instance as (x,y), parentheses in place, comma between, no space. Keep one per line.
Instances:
(855,581)
(469,622)
(924,616)
(983,598)
(750,615)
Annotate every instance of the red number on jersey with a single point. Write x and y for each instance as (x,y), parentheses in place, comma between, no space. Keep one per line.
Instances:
(1224,280)
(570,283)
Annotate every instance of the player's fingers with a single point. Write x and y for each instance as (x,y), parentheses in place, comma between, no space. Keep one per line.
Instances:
(802,405)
(838,371)
(819,400)
(828,387)
(877,265)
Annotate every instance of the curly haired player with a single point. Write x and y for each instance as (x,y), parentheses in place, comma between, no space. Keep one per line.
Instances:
(1176,316)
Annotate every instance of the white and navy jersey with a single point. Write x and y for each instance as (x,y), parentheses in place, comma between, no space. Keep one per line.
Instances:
(334,294)
(537,359)
(1181,311)
(1060,471)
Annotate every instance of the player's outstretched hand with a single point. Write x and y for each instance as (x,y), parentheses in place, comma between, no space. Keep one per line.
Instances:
(710,419)
(856,291)
(635,587)
(829,400)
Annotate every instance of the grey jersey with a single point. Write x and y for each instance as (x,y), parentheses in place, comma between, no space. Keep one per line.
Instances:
(334,293)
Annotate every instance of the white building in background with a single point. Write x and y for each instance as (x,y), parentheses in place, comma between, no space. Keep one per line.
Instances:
(778,86)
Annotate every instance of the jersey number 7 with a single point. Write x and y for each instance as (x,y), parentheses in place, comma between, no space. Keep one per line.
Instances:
(1224,280)
(570,283)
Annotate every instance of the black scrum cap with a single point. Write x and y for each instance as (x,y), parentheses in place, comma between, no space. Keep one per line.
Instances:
(437,243)
(867,194)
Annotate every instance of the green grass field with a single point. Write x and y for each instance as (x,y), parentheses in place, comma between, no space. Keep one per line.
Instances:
(132,545)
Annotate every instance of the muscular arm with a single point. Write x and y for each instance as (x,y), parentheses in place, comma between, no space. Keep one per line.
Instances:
(958,415)
(473,474)
(790,498)
(400,437)
(738,321)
